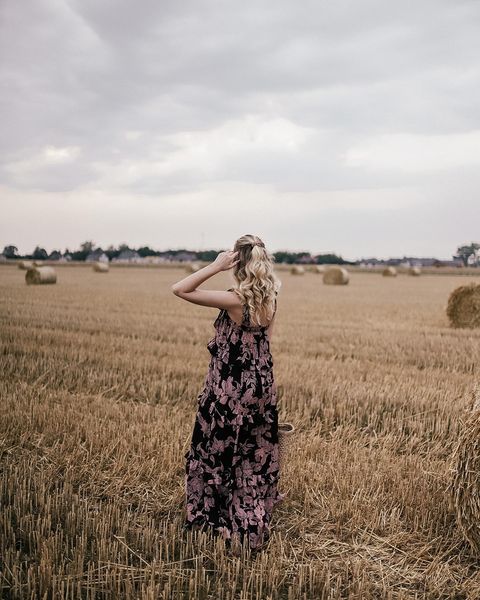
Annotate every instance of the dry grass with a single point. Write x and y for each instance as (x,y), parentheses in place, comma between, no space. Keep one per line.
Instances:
(464,487)
(98,394)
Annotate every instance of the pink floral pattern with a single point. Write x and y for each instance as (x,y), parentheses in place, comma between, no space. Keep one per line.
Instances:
(232,468)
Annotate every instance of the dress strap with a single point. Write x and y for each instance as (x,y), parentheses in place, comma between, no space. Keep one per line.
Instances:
(245,315)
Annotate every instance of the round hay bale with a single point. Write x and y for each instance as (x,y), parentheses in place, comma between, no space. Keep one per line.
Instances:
(389,272)
(25,264)
(464,486)
(100,267)
(193,267)
(38,263)
(297,270)
(415,271)
(463,308)
(318,269)
(336,276)
(40,275)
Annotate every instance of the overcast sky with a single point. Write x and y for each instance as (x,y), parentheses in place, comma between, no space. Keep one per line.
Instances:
(347,126)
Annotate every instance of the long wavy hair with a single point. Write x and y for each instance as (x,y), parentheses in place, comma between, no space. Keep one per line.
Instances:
(257,283)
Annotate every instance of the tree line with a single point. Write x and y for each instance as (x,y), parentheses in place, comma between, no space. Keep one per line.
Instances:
(469,254)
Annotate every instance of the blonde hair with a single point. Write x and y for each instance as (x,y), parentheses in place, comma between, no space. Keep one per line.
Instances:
(257,284)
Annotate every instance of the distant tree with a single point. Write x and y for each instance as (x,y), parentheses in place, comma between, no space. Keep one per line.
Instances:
(87,247)
(146,251)
(39,253)
(82,254)
(465,252)
(329,259)
(282,256)
(207,255)
(111,252)
(10,251)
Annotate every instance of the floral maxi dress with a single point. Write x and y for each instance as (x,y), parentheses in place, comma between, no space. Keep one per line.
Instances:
(232,468)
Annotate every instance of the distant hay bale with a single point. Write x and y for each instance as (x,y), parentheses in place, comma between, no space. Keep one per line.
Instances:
(100,267)
(464,486)
(297,270)
(318,269)
(336,276)
(40,275)
(463,308)
(193,267)
(25,264)
(389,272)
(38,263)
(415,271)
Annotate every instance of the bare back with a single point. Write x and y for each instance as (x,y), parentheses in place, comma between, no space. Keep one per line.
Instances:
(240,313)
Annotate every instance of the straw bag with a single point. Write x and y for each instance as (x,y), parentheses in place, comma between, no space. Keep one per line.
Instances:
(285,432)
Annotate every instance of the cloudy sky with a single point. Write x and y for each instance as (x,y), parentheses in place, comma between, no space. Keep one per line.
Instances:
(347,126)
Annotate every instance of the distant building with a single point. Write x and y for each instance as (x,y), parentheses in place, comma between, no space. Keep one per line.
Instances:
(472,260)
(185,256)
(128,256)
(67,257)
(306,259)
(97,255)
(428,262)
(3,258)
(155,260)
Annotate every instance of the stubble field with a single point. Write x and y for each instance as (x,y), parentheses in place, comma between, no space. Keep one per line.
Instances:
(99,379)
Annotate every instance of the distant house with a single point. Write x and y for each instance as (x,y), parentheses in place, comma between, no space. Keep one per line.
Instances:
(97,255)
(428,262)
(472,260)
(3,258)
(306,259)
(155,260)
(185,256)
(127,256)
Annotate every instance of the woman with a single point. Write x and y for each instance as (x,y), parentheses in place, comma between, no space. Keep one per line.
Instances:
(232,468)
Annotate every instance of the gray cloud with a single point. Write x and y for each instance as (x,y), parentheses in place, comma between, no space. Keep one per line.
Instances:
(315,103)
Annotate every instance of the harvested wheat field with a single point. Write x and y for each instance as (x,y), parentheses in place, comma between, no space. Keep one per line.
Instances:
(100,377)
